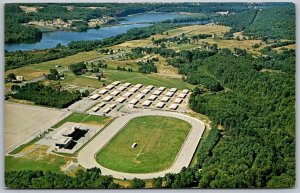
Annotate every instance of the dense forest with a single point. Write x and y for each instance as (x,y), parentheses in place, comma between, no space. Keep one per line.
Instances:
(91,178)
(272,23)
(46,95)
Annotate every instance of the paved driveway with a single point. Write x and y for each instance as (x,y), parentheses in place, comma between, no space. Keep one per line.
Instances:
(86,157)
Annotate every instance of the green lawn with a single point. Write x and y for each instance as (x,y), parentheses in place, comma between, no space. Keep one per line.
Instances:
(146,79)
(83,118)
(159,139)
(18,164)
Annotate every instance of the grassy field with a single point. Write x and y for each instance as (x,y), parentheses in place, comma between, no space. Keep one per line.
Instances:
(82,81)
(159,139)
(147,79)
(35,70)
(18,164)
(84,118)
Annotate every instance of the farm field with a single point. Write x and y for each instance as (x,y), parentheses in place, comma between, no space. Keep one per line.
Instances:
(35,70)
(147,79)
(158,141)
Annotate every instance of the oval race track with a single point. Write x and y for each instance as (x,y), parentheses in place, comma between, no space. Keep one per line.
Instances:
(86,156)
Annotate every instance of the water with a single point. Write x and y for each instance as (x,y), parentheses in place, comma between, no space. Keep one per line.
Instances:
(51,39)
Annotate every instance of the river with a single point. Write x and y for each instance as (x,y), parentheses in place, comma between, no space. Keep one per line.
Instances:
(51,39)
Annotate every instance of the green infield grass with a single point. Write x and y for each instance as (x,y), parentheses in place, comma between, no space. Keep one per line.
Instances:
(158,139)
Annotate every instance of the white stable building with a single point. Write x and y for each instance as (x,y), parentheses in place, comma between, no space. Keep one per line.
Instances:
(139,96)
(173,90)
(127,84)
(170,94)
(165,99)
(109,87)
(145,91)
(127,94)
(108,98)
(138,86)
(160,105)
(115,93)
(147,103)
(173,106)
(152,98)
(133,101)
(107,110)
(101,105)
(112,106)
(103,91)
(121,88)
(96,108)
(94,96)
(121,100)
(150,87)
(178,100)
(161,88)
(116,83)
(158,92)
(185,91)
(182,95)
(133,89)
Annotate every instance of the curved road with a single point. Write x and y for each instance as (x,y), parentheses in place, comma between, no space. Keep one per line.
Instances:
(86,156)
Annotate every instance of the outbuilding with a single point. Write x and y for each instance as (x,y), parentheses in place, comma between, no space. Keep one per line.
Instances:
(138,86)
(108,98)
(173,89)
(94,96)
(107,110)
(127,94)
(115,93)
(152,98)
(134,101)
(127,84)
(170,94)
(182,95)
(145,91)
(147,103)
(101,105)
(160,105)
(185,91)
(133,89)
(103,91)
(165,99)
(109,87)
(173,106)
(139,96)
(112,106)
(121,88)
(121,100)
(150,87)
(161,88)
(158,92)
(63,141)
(178,100)
(96,108)
(116,83)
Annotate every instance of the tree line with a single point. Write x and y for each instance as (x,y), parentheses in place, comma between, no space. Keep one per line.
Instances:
(46,95)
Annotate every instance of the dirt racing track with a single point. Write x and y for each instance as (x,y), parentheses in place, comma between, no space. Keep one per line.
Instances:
(86,157)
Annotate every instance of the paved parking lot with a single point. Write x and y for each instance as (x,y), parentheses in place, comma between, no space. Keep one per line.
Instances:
(24,122)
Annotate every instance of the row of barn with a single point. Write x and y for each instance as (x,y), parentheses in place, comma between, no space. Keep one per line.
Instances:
(115,91)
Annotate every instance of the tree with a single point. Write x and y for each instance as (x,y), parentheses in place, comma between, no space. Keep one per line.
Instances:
(137,183)
(11,77)
(15,87)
